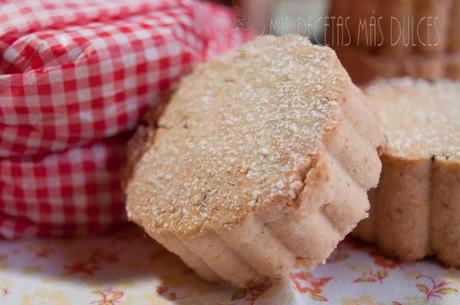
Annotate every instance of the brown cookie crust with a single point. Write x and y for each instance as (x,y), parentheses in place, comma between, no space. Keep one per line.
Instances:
(262,157)
(414,210)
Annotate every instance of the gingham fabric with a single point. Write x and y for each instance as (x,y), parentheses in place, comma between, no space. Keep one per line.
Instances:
(73,74)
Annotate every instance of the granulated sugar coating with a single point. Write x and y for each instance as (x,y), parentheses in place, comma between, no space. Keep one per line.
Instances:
(415,209)
(420,119)
(262,158)
(239,134)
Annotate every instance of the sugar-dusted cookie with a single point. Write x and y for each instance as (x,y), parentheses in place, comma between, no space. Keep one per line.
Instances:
(262,157)
(415,210)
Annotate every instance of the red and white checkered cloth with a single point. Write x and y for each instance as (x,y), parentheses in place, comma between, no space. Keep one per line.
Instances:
(75,77)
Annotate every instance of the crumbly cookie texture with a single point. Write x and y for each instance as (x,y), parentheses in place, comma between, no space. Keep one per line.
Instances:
(415,209)
(262,158)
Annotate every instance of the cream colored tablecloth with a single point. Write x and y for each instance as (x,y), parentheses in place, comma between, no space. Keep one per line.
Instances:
(127,268)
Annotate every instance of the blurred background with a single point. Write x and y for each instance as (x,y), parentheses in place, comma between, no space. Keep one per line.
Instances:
(277,17)
(372,39)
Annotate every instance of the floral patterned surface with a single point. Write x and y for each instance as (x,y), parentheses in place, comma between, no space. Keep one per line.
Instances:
(127,268)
